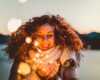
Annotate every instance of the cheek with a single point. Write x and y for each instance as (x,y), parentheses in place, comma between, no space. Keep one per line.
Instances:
(52,41)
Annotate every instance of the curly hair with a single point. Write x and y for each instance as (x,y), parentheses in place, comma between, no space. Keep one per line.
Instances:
(65,35)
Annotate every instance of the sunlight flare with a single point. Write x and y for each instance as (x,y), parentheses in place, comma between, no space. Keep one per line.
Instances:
(14,24)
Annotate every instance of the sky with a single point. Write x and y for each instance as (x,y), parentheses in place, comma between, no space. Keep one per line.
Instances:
(83,15)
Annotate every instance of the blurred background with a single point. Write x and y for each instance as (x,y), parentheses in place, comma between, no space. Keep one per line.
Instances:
(83,15)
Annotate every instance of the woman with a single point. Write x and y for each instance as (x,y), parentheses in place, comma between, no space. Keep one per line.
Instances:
(45,48)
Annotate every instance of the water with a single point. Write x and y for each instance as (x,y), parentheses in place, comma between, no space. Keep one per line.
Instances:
(89,68)
(5,64)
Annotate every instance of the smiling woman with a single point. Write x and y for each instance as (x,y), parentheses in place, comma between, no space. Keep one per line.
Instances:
(47,47)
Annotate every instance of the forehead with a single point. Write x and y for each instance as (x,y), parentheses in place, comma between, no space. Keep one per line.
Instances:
(45,28)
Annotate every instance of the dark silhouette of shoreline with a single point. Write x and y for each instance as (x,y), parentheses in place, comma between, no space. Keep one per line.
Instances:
(91,40)
(4,38)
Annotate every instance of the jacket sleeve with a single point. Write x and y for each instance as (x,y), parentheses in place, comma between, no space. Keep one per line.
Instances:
(70,73)
(14,71)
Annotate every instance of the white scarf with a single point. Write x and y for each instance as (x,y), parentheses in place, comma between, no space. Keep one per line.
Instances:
(55,53)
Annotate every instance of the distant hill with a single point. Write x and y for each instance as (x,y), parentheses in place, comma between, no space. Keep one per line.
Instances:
(93,35)
(4,38)
(91,40)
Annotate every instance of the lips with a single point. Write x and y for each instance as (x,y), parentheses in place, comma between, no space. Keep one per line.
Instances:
(45,46)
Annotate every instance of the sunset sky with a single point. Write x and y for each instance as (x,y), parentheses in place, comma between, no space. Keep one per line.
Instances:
(83,15)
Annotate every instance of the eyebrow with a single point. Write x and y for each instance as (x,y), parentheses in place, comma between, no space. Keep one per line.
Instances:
(48,32)
(51,32)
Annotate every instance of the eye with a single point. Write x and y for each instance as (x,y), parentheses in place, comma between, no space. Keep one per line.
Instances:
(50,35)
(39,36)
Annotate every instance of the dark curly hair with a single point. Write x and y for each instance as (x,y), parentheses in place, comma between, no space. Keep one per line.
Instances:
(65,35)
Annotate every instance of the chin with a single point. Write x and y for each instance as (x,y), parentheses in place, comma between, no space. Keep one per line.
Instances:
(45,49)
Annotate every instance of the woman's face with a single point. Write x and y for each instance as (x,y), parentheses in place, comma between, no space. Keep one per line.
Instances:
(45,37)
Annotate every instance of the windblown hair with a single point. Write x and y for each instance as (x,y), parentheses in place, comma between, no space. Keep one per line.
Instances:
(65,35)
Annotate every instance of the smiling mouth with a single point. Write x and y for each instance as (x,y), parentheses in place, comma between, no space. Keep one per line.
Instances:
(45,46)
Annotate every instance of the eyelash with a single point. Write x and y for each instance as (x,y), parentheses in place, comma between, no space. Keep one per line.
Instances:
(48,36)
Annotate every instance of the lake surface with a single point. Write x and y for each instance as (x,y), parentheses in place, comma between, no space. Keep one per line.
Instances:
(89,68)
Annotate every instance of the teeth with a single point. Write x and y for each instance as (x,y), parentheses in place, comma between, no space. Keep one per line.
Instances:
(45,45)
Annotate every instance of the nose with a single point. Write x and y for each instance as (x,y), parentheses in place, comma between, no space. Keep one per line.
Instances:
(45,39)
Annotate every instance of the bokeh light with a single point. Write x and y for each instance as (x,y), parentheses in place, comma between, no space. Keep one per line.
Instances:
(22,1)
(36,43)
(28,40)
(14,24)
